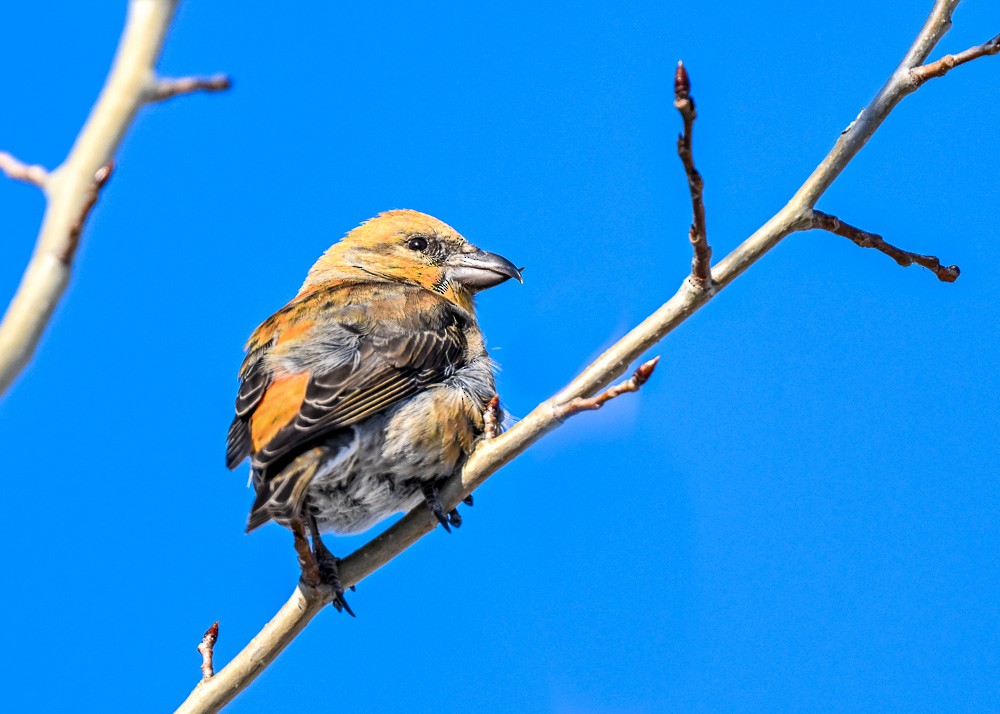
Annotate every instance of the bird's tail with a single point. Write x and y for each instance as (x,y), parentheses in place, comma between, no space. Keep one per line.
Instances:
(281,497)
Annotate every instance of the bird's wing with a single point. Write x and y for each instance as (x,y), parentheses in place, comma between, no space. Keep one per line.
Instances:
(380,359)
(254,381)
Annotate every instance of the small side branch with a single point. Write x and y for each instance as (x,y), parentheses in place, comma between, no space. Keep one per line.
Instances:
(632,384)
(947,63)
(34,174)
(168,87)
(207,649)
(701,265)
(832,224)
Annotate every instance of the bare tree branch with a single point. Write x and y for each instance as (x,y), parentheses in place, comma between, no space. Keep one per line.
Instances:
(491,455)
(832,224)
(207,650)
(949,62)
(169,87)
(70,188)
(701,265)
(632,384)
(19,171)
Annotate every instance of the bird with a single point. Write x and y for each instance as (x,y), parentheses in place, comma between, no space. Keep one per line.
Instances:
(369,388)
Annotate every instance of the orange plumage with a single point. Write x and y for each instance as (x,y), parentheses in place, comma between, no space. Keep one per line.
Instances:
(369,387)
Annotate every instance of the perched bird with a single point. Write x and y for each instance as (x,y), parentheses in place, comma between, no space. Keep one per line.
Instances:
(369,388)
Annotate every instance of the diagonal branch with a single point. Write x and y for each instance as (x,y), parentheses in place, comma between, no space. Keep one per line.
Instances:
(832,224)
(701,265)
(490,456)
(70,188)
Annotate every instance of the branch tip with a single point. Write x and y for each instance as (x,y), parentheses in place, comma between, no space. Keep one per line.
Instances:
(645,371)
(167,87)
(864,239)
(19,171)
(682,83)
(207,650)
(579,404)
(701,264)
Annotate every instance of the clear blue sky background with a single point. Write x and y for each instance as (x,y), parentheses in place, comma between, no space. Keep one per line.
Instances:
(798,513)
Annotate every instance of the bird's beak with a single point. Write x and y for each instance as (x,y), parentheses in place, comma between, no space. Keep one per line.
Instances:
(478,270)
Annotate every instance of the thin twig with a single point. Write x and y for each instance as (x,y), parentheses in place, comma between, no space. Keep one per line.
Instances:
(949,62)
(493,454)
(207,649)
(34,174)
(167,87)
(491,427)
(701,265)
(832,224)
(632,384)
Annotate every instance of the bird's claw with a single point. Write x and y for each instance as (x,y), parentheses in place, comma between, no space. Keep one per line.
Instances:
(453,518)
(442,518)
(329,576)
(434,503)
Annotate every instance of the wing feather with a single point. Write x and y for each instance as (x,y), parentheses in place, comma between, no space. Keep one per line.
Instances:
(367,364)
(255,380)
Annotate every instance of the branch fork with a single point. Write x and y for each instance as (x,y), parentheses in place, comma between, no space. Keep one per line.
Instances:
(949,62)
(71,189)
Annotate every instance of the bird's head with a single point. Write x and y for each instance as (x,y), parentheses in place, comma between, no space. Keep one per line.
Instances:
(410,247)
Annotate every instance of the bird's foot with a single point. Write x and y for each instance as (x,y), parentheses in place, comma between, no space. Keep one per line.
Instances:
(329,575)
(434,503)
(454,517)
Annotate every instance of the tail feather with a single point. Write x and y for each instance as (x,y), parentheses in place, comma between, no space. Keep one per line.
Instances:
(281,497)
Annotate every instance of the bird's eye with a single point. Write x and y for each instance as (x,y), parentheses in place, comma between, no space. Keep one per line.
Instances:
(417,243)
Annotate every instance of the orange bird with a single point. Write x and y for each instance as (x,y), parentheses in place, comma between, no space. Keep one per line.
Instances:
(363,393)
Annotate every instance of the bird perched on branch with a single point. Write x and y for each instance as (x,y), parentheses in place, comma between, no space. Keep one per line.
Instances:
(368,389)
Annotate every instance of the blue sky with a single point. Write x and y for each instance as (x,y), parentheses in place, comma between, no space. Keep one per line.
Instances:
(798,512)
